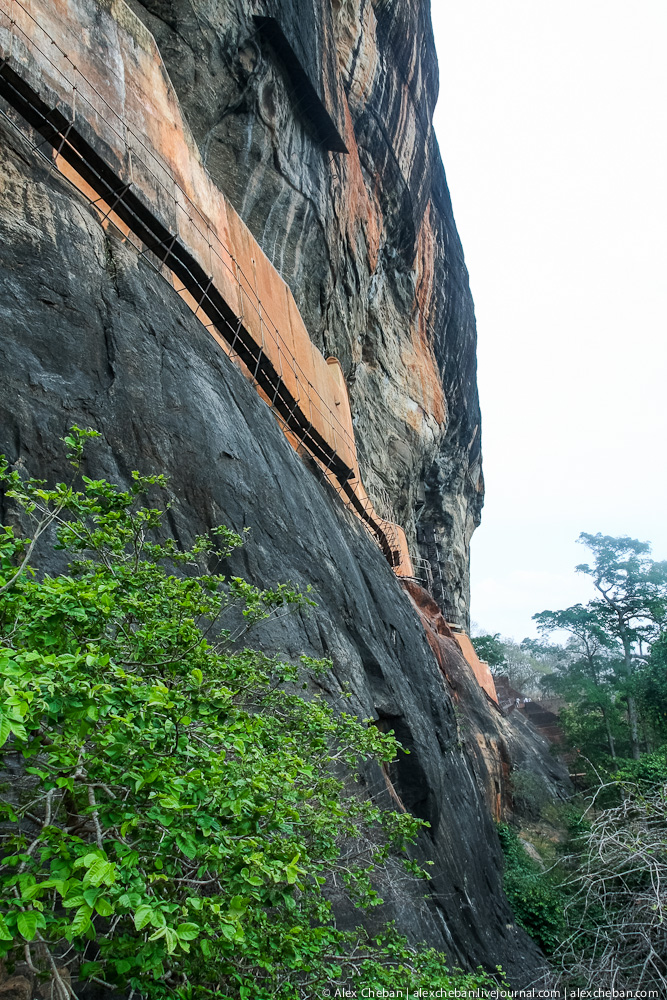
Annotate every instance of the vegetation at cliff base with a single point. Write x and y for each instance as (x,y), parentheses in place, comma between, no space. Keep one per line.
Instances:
(536,898)
(177,817)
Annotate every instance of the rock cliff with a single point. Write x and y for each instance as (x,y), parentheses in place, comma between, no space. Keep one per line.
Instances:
(315,120)
(508,755)
(91,334)
(365,239)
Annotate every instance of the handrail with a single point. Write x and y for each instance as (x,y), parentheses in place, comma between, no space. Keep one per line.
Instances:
(167,207)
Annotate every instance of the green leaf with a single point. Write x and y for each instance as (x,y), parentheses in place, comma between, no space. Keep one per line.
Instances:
(91,969)
(101,872)
(90,895)
(81,921)
(5,729)
(4,930)
(187,844)
(76,900)
(143,916)
(187,932)
(28,922)
(171,939)
(5,807)
(129,900)
(18,730)
(87,860)
(104,907)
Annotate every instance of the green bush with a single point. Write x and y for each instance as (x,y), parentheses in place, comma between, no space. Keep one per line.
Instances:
(177,826)
(535,896)
(647,772)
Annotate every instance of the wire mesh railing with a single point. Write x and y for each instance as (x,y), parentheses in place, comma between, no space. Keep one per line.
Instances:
(423,571)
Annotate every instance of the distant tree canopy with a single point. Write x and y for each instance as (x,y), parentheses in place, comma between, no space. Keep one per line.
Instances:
(612,674)
(600,912)
(491,649)
(524,664)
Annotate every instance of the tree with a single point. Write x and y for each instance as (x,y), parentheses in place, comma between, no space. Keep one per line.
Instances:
(652,689)
(179,818)
(587,674)
(519,662)
(491,649)
(634,589)
(546,656)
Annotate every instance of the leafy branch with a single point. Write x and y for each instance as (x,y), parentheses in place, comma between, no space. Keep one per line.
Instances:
(183,819)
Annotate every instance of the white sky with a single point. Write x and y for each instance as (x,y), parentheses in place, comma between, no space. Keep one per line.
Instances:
(552,126)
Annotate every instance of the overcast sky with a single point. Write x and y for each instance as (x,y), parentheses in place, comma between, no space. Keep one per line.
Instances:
(552,127)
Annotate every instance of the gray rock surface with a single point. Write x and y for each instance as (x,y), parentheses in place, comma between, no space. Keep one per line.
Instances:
(513,763)
(90,334)
(366,241)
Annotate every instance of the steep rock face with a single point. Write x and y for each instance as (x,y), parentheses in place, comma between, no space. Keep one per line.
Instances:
(366,240)
(90,334)
(507,753)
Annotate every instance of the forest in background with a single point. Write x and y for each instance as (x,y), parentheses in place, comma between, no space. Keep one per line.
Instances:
(590,881)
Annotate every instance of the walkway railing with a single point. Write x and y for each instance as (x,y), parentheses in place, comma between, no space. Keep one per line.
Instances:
(90,84)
